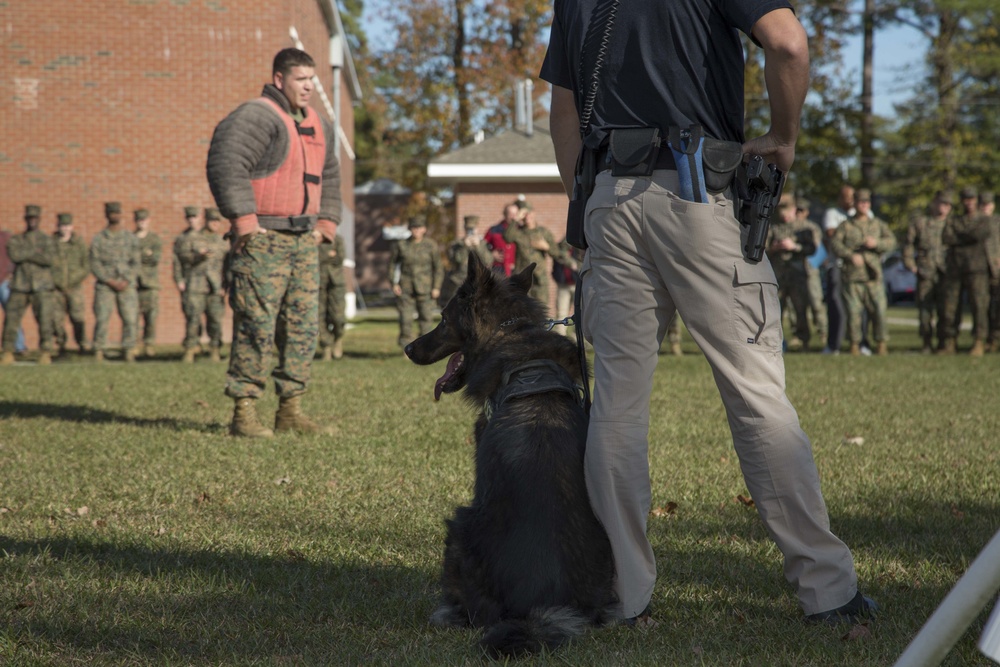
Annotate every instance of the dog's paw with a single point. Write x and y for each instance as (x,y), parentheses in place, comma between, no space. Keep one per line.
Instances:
(449,616)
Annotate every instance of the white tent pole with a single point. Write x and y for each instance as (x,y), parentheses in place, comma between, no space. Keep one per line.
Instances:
(955,614)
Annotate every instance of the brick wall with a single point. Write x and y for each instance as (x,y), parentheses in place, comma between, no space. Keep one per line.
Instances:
(117,100)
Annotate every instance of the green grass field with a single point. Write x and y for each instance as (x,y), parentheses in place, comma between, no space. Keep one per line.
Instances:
(134,531)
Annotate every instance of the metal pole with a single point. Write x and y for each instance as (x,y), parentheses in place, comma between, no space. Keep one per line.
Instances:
(956,612)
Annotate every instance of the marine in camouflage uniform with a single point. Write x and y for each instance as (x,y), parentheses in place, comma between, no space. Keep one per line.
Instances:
(416,279)
(814,280)
(924,255)
(70,267)
(181,268)
(535,244)
(32,253)
(458,258)
(115,260)
(273,170)
(790,243)
(332,295)
(987,208)
(967,266)
(148,284)
(203,253)
(860,242)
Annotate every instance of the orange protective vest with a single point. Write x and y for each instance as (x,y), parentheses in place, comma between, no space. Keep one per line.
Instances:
(294,188)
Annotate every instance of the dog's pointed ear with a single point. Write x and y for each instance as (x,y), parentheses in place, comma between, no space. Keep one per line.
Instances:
(476,267)
(522,280)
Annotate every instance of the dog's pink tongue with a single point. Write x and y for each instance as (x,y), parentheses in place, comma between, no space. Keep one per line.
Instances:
(454,363)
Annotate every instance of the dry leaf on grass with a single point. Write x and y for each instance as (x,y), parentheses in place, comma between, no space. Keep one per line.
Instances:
(746,501)
(202,497)
(857,633)
(957,513)
(282,480)
(201,404)
(666,510)
(853,440)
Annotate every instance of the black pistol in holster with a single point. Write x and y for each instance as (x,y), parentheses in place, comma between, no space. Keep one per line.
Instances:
(759,189)
(583,187)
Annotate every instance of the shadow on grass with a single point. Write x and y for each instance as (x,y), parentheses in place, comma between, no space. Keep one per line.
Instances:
(222,606)
(89,415)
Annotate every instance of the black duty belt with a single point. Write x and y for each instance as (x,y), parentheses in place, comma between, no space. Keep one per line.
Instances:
(664,160)
(298,224)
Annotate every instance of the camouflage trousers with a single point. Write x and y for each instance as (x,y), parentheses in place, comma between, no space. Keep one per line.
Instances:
(930,304)
(213,308)
(793,289)
(977,284)
(540,290)
(149,308)
(866,297)
(41,306)
(332,312)
(69,302)
(105,302)
(817,304)
(406,303)
(275,299)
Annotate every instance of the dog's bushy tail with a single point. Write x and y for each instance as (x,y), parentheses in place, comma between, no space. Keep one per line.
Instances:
(543,629)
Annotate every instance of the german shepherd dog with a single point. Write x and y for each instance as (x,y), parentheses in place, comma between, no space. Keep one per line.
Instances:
(527,561)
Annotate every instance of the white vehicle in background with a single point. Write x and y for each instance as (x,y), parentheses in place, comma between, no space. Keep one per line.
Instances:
(900,282)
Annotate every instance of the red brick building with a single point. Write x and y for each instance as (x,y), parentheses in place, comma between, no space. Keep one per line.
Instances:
(107,100)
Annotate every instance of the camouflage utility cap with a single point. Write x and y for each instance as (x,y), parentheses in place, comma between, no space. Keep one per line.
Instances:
(471,221)
(986,197)
(969,193)
(64,219)
(417,221)
(112,207)
(212,214)
(864,194)
(944,197)
(32,211)
(141,214)
(190,211)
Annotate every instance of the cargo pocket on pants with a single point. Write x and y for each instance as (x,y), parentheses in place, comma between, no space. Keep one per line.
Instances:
(756,310)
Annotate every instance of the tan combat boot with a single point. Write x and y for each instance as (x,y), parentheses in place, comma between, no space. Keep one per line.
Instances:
(290,418)
(675,349)
(6,359)
(855,350)
(326,354)
(977,349)
(189,355)
(99,356)
(338,348)
(883,349)
(45,358)
(150,351)
(947,346)
(214,355)
(130,355)
(245,423)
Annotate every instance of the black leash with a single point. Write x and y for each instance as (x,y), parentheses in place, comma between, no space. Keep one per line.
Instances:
(581,346)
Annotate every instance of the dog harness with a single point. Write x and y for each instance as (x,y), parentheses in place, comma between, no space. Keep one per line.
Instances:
(538,376)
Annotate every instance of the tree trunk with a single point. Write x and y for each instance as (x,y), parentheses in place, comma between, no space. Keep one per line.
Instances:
(867,116)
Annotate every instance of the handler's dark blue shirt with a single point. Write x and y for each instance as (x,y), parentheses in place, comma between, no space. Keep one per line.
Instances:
(671,62)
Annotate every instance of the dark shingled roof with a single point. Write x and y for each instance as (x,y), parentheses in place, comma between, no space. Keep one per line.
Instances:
(508,147)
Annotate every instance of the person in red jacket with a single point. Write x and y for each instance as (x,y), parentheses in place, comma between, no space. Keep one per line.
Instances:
(503,252)
(273,171)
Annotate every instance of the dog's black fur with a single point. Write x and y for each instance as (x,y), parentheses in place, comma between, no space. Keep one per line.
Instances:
(527,560)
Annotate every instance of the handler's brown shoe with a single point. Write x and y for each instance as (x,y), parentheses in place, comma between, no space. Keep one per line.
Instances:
(6,359)
(245,422)
(977,349)
(290,418)
(189,355)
